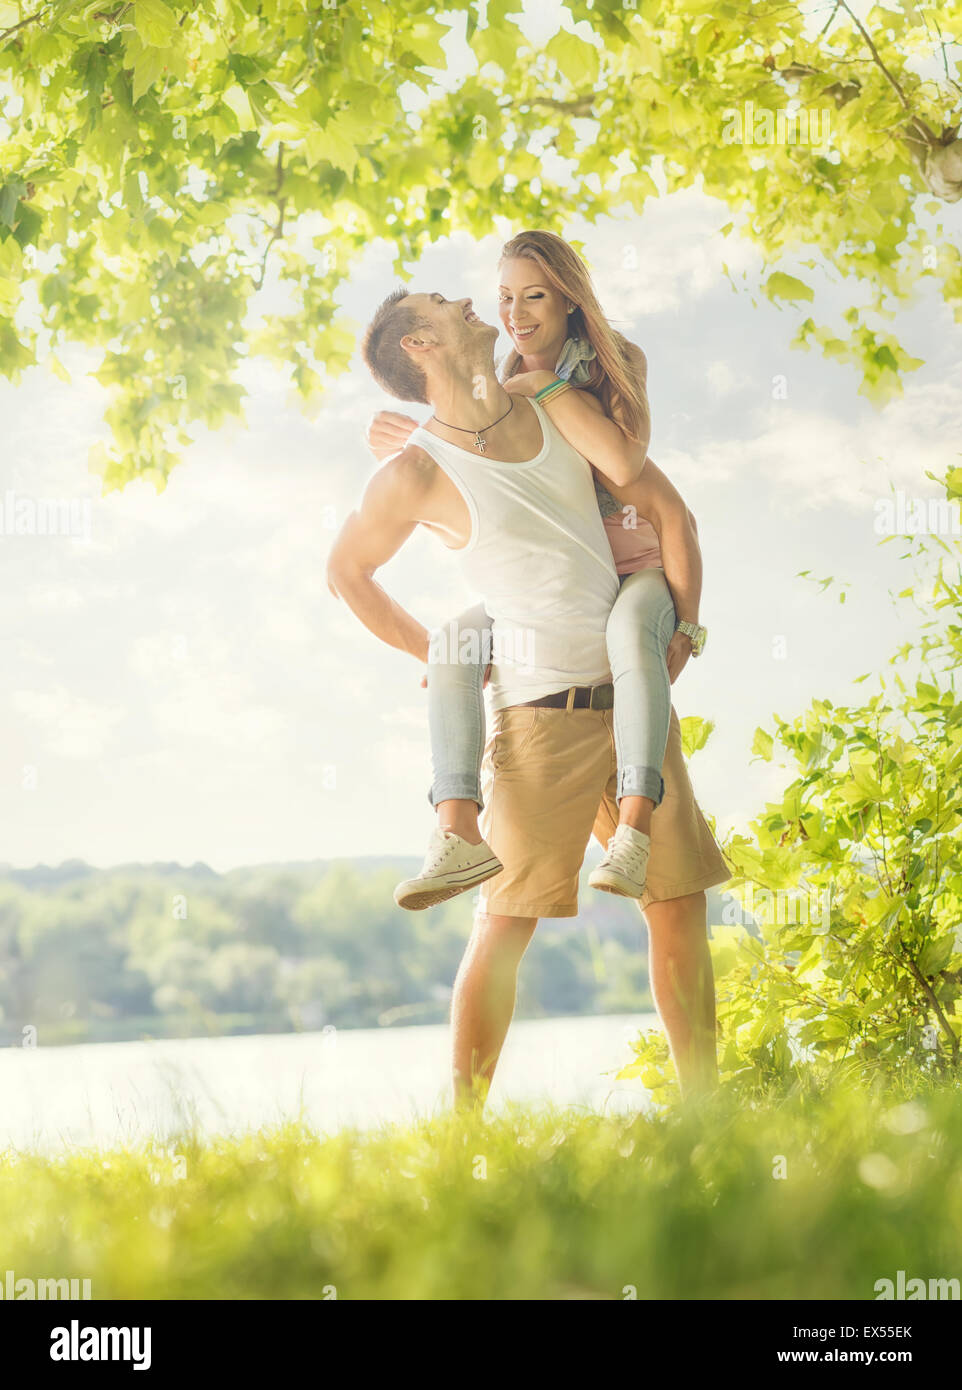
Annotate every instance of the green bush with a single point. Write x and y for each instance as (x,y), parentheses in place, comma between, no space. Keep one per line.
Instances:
(851,958)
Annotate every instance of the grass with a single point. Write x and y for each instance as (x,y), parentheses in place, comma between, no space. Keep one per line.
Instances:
(686,1204)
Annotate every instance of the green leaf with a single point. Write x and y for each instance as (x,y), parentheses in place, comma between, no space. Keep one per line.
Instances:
(885,357)
(936,954)
(865,779)
(424,40)
(155,22)
(334,145)
(695,733)
(763,744)
(210,214)
(782,286)
(15,356)
(10,195)
(10,293)
(149,66)
(237,101)
(577,59)
(28,225)
(498,44)
(247,70)
(646,55)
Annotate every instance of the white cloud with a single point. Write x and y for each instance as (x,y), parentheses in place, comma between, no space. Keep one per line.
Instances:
(56,597)
(724,380)
(215,713)
(810,458)
(667,260)
(159,655)
(407,717)
(74,727)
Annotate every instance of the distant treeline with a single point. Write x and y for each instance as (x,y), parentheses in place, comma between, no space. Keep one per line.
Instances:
(164,950)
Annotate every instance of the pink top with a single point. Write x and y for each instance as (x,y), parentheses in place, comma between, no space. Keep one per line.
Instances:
(633,541)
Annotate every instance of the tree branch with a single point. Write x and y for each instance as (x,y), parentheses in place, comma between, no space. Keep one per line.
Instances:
(279,170)
(23,23)
(278,230)
(112,16)
(936,1006)
(831,17)
(875,53)
(577,106)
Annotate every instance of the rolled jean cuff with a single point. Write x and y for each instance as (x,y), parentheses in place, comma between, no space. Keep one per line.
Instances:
(456,788)
(641,781)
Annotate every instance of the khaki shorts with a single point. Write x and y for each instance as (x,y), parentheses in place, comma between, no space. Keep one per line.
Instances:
(548,780)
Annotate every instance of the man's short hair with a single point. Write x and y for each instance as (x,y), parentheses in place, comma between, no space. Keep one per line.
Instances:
(389,364)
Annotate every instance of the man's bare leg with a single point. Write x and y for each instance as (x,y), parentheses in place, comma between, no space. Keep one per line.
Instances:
(683,987)
(483,1002)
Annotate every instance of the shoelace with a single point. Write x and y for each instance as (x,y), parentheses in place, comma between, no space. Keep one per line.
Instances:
(637,855)
(437,855)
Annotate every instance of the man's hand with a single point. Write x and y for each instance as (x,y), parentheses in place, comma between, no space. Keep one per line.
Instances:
(528,383)
(679,650)
(387,433)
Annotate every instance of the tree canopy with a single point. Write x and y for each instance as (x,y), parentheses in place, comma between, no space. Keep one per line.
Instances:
(159,158)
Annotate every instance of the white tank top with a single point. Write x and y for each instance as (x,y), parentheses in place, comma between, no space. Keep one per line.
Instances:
(539,557)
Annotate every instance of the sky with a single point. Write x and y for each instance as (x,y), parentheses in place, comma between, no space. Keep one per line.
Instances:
(180,685)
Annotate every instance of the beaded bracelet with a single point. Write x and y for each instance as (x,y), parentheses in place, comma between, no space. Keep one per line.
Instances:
(553,388)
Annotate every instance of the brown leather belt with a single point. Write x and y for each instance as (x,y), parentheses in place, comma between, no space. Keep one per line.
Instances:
(585,697)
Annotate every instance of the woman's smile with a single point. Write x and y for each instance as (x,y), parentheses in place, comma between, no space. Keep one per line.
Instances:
(525,291)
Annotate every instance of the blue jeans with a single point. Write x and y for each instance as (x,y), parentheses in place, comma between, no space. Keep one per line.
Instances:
(457,657)
(640,626)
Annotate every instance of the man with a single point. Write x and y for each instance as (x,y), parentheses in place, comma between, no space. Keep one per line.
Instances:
(524,512)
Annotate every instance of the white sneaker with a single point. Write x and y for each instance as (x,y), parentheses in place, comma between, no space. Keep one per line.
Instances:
(625,865)
(451,866)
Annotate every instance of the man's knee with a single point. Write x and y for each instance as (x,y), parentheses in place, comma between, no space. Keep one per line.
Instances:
(686,914)
(495,933)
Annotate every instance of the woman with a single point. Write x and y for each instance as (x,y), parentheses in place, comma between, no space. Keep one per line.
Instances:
(551,313)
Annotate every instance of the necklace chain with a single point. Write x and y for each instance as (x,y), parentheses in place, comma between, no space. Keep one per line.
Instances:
(480,442)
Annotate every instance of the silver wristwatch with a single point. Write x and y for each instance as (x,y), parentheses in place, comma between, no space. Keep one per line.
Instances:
(696,634)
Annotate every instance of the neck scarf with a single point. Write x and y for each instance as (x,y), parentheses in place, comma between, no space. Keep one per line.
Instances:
(572,364)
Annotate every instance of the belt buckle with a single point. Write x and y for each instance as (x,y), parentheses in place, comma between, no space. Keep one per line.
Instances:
(602,696)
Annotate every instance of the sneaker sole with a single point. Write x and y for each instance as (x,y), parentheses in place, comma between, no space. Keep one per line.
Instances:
(621,887)
(415,899)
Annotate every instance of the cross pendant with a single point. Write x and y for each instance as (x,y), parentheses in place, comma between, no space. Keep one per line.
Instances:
(479,443)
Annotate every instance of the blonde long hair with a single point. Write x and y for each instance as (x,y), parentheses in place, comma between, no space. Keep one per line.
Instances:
(613,375)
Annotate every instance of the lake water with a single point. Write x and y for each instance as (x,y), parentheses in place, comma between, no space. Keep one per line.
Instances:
(105,1094)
